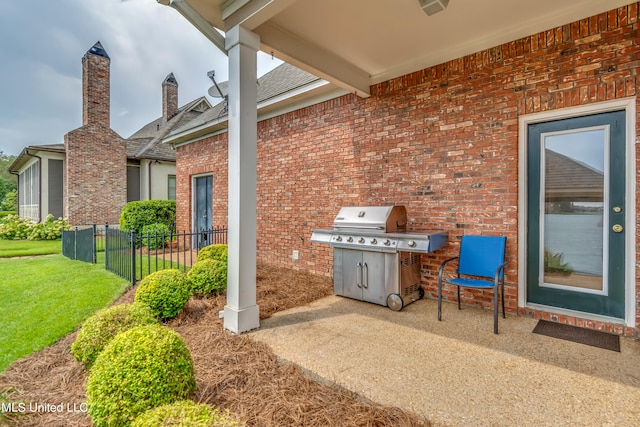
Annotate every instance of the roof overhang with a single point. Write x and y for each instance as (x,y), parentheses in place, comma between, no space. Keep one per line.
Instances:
(32,151)
(357,43)
(301,97)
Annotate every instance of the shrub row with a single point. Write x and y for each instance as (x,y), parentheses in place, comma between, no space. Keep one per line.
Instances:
(15,228)
(141,372)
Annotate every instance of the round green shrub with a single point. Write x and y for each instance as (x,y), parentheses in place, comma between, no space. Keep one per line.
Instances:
(219,252)
(186,414)
(208,277)
(140,369)
(155,236)
(99,329)
(166,292)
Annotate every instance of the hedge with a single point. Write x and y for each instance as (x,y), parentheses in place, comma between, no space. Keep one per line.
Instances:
(135,215)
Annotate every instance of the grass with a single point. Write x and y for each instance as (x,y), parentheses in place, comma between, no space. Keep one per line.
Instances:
(150,264)
(45,298)
(16,248)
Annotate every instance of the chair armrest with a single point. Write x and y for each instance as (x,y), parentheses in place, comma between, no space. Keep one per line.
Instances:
(500,267)
(443,265)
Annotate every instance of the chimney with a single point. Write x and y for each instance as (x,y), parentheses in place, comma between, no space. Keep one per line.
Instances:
(95,87)
(169,98)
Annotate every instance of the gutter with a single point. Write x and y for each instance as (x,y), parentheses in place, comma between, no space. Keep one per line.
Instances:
(190,14)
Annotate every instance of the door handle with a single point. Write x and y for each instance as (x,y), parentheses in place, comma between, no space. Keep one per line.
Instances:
(617,228)
(359,274)
(365,276)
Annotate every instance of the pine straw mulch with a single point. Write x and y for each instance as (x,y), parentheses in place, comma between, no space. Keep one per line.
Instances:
(232,371)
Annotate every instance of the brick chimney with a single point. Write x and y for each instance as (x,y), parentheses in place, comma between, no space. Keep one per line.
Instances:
(169,98)
(95,87)
(95,189)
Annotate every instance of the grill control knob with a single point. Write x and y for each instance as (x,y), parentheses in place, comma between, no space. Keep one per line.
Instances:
(412,244)
(349,239)
(339,239)
(387,242)
(361,240)
(374,241)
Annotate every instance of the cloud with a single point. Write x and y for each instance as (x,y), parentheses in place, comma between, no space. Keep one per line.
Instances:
(42,43)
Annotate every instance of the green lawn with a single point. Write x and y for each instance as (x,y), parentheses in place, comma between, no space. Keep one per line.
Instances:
(14,248)
(44,298)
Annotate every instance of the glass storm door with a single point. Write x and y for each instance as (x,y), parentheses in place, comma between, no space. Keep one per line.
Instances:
(576,212)
(203,208)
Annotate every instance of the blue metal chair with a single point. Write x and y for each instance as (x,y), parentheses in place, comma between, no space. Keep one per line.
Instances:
(480,257)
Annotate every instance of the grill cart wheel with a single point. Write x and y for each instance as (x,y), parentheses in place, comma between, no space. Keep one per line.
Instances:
(395,302)
(421,292)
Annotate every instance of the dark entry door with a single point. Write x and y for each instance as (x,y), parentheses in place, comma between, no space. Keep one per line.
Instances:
(576,213)
(203,208)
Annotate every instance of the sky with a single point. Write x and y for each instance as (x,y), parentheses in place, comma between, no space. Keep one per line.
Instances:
(42,43)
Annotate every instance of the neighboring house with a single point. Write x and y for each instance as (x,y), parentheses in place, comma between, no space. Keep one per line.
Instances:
(462,144)
(90,177)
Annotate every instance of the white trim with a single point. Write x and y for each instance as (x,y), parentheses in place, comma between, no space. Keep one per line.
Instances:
(629,106)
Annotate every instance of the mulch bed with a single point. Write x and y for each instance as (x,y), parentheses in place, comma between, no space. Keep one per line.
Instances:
(232,371)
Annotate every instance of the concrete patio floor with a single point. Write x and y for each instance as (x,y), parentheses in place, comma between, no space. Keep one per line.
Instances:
(457,372)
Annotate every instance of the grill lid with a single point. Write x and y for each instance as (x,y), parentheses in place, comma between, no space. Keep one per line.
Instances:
(382,219)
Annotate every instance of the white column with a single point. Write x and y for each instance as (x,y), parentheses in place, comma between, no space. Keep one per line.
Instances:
(241,312)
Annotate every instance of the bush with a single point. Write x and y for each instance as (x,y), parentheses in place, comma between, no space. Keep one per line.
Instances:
(100,328)
(155,236)
(166,292)
(219,252)
(4,214)
(208,277)
(10,202)
(49,229)
(140,369)
(135,215)
(15,228)
(186,414)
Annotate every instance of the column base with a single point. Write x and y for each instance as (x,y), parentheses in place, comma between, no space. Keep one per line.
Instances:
(241,320)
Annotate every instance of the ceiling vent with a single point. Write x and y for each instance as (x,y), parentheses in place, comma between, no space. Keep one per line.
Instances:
(431,7)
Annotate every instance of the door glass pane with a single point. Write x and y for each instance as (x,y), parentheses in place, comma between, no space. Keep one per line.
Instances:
(574,216)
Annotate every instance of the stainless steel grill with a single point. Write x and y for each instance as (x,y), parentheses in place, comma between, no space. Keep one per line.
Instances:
(374,258)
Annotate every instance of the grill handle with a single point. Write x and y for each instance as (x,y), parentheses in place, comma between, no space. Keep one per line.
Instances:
(365,276)
(359,274)
(360,227)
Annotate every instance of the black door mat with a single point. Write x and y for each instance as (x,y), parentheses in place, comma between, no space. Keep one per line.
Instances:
(579,335)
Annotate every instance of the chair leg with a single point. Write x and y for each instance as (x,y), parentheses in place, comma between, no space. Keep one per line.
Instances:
(502,288)
(495,308)
(458,297)
(439,299)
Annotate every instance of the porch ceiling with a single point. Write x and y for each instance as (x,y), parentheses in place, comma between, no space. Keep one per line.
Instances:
(357,43)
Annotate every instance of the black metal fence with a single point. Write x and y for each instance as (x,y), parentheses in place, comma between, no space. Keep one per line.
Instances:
(134,256)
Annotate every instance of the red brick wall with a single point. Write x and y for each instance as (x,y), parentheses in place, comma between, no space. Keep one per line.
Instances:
(96,176)
(442,141)
(208,156)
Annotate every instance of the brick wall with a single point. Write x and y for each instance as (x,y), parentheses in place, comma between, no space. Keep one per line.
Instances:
(96,160)
(442,141)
